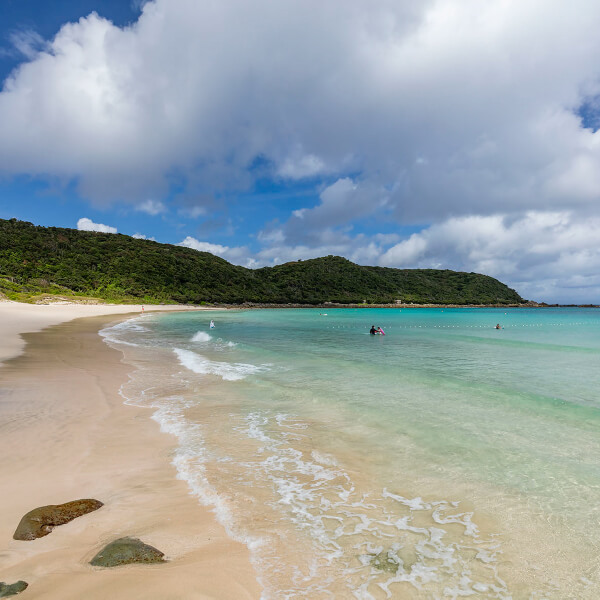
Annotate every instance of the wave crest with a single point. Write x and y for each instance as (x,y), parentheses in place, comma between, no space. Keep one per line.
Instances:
(203,366)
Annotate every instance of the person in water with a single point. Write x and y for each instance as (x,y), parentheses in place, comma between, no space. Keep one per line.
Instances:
(373,330)
(498,326)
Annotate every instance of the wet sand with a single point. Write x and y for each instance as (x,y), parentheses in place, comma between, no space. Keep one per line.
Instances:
(17,318)
(65,434)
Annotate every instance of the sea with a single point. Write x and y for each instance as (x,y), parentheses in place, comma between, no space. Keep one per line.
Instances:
(445,459)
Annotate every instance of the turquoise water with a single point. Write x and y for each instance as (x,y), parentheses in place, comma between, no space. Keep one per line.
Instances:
(445,459)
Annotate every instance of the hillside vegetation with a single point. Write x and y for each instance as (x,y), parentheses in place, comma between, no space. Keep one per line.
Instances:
(37,261)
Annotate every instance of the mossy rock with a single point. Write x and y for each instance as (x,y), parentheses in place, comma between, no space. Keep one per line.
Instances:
(126,551)
(41,521)
(12,589)
(385,562)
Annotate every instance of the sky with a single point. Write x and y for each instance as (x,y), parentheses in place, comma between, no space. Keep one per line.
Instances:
(451,134)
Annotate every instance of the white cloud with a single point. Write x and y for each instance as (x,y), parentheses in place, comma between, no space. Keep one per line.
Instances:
(273,236)
(341,203)
(191,242)
(139,4)
(141,236)
(360,248)
(452,106)
(85,224)
(547,256)
(307,165)
(151,207)
(551,256)
(277,255)
(239,255)
(193,211)
(29,43)
(440,112)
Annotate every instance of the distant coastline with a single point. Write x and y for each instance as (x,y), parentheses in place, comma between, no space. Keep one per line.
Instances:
(332,305)
(38,263)
(86,301)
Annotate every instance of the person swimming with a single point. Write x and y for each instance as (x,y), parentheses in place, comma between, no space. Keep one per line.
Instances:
(498,326)
(373,330)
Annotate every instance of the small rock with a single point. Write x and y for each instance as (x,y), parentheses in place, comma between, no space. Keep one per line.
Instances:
(385,562)
(13,589)
(125,551)
(41,521)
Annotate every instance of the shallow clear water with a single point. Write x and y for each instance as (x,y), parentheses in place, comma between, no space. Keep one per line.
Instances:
(445,459)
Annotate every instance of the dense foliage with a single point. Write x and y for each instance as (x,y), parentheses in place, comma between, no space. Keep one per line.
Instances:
(51,260)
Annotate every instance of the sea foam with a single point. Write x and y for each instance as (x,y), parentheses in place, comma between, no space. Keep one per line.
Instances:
(203,366)
(201,336)
(315,492)
(115,333)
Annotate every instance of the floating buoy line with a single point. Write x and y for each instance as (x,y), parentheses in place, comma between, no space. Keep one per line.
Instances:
(515,326)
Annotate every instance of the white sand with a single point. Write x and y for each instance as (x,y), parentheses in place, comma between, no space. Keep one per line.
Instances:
(17,318)
(65,434)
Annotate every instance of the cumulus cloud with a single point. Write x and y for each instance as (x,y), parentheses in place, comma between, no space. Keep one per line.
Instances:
(544,255)
(359,250)
(340,204)
(343,201)
(239,255)
(138,4)
(151,207)
(191,242)
(85,224)
(307,165)
(443,113)
(548,256)
(451,106)
(141,236)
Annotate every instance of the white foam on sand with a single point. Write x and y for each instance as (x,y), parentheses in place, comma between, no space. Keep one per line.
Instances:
(313,490)
(115,334)
(191,454)
(189,460)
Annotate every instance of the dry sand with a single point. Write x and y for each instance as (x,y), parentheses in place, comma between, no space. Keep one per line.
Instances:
(65,434)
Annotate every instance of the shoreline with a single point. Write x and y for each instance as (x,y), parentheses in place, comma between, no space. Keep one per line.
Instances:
(17,318)
(68,435)
(333,305)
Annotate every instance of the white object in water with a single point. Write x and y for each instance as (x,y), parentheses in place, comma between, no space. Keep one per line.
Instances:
(212,324)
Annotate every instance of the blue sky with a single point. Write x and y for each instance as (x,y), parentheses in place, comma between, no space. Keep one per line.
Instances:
(445,133)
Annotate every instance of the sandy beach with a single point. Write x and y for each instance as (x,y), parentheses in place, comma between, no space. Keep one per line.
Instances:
(65,434)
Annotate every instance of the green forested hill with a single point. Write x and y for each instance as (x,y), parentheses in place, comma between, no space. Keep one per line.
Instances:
(51,260)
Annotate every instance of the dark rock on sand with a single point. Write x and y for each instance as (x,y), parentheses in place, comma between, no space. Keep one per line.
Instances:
(40,521)
(13,589)
(125,551)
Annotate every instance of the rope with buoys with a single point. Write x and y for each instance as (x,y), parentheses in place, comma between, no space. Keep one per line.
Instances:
(515,326)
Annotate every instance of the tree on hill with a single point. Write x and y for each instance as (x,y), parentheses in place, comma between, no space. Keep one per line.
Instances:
(52,260)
